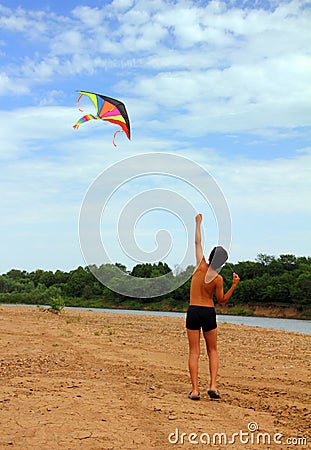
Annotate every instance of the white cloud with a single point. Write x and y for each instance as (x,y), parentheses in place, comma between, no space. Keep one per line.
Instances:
(25,128)
(122,5)
(29,22)
(69,42)
(90,17)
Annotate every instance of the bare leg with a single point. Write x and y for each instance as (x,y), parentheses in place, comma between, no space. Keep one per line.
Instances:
(211,347)
(193,361)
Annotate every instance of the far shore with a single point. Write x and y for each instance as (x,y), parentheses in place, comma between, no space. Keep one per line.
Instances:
(272,311)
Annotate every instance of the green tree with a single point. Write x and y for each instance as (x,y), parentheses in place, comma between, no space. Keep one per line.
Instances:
(148,270)
(16,274)
(77,281)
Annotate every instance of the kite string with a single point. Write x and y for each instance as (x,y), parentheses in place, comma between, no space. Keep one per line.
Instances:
(227,264)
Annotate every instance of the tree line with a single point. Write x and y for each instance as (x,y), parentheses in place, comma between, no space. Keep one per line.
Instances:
(281,281)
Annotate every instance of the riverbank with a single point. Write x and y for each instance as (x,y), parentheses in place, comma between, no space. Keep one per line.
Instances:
(273,311)
(270,311)
(90,380)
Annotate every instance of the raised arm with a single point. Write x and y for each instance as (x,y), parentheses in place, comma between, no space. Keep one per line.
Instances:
(198,243)
(221,297)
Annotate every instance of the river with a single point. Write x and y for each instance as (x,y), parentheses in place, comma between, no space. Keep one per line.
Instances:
(295,325)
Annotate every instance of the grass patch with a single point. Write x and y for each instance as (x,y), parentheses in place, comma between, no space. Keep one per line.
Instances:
(73,319)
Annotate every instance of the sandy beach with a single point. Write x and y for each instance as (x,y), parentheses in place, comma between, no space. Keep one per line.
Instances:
(94,380)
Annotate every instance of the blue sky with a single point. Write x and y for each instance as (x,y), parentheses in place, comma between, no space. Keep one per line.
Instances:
(224,84)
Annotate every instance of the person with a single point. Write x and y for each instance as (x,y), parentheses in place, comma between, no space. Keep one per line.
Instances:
(205,282)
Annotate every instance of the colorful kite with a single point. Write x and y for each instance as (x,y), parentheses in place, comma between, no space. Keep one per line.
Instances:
(109,109)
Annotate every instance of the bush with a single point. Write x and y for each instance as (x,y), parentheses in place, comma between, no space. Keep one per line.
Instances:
(57,303)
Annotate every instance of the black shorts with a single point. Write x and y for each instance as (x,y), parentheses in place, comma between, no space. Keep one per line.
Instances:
(201,317)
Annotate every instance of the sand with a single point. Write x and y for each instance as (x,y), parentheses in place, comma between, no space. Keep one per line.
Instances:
(94,380)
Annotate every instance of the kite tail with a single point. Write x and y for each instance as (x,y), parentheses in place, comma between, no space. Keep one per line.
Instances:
(84,119)
(114,136)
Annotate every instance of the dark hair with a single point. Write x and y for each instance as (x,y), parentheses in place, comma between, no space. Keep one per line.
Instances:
(218,257)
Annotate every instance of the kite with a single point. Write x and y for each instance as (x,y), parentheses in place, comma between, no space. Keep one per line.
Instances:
(109,109)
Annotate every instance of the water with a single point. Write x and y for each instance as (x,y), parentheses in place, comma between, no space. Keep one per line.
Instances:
(294,325)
